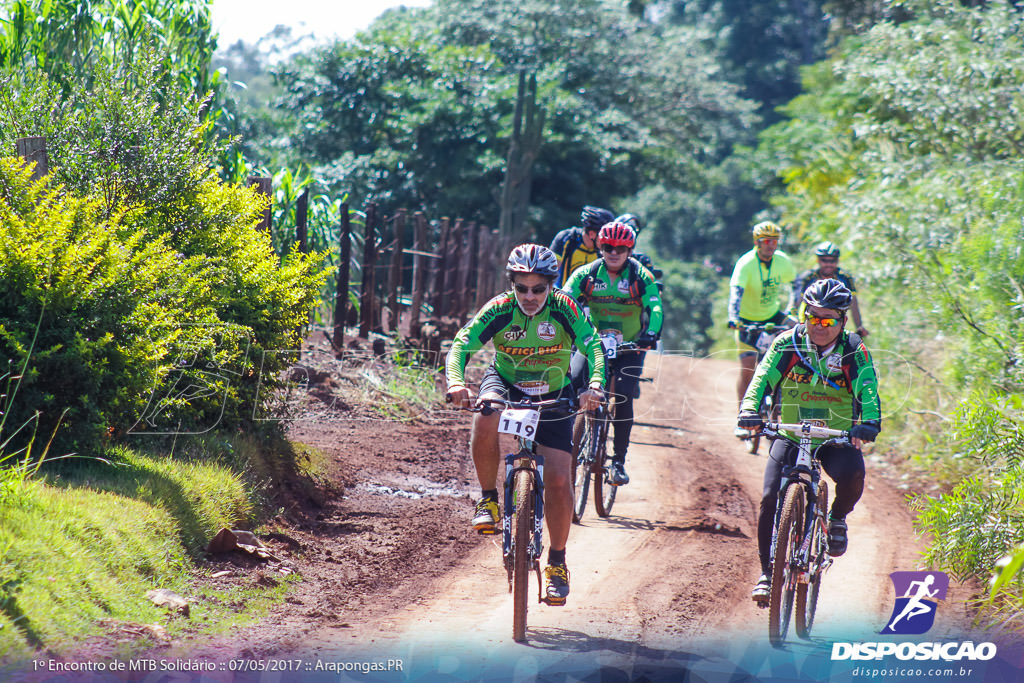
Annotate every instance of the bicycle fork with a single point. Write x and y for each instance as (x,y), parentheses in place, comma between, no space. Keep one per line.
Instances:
(535,547)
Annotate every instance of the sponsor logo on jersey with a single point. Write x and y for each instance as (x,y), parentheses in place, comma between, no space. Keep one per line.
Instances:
(546,331)
(515,333)
(834,362)
(533,387)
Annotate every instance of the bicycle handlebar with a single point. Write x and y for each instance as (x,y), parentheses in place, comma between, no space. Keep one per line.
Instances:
(550,404)
(766,327)
(808,429)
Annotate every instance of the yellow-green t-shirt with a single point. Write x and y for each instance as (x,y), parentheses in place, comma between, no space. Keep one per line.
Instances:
(762,284)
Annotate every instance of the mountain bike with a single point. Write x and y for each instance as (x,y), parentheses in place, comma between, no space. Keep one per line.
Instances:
(799,547)
(522,520)
(590,456)
(761,336)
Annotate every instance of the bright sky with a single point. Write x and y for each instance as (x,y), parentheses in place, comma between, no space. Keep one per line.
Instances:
(250,20)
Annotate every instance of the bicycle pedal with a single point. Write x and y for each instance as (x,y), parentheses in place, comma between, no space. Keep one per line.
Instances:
(486,530)
(553,602)
(761,602)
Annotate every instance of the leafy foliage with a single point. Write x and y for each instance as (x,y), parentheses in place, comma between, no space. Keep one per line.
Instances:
(159,302)
(65,39)
(907,150)
(417,111)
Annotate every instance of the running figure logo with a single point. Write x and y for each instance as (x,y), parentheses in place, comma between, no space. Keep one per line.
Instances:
(917,596)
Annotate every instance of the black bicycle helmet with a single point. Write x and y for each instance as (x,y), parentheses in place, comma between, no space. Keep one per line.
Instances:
(830,293)
(532,258)
(593,217)
(827,249)
(632,220)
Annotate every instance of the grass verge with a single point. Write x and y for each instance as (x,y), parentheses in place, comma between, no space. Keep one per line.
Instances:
(81,544)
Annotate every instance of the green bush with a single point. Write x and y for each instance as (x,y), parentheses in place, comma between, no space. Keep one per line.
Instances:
(160,307)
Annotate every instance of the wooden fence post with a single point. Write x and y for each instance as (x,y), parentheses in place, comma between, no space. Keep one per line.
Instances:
(301,212)
(33,150)
(484,266)
(419,272)
(341,293)
(452,260)
(439,302)
(264,186)
(470,264)
(395,279)
(369,263)
(500,255)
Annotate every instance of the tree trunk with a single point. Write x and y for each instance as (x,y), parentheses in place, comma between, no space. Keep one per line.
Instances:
(522,153)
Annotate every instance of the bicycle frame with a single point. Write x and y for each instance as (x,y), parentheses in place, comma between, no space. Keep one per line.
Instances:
(806,472)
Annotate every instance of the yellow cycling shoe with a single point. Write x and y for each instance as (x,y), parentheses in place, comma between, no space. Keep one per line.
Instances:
(556,584)
(485,516)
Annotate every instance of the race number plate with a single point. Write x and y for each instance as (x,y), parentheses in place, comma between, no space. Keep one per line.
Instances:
(610,342)
(519,422)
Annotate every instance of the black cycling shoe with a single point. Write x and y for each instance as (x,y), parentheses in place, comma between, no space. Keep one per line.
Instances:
(617,474)
(837,538)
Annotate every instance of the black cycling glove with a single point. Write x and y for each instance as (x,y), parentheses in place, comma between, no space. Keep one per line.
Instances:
(865,432)
(748,419)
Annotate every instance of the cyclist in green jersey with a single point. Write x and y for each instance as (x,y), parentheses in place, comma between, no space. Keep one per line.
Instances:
(759,278)
(824,374)
(624,301)
(533,328)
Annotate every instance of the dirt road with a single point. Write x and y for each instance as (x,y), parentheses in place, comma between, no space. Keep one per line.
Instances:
(661,585)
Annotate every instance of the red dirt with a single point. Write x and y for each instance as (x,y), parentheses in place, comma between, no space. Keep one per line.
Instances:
(388,562)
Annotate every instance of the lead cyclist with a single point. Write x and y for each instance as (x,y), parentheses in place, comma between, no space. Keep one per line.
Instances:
(533,328)
(825,374)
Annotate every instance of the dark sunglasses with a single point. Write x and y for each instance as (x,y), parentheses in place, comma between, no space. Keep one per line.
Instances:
(611,249)
(824,259)
(537,289)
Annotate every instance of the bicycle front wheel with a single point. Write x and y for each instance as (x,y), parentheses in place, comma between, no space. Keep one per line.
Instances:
(807,593)
(604,493)
(522,524)
(582,459)
(784,571)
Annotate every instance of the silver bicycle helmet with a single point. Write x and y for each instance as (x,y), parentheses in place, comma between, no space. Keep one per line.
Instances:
(532,258)
(830,293)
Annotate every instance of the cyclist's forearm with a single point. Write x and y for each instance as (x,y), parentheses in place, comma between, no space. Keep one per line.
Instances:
(653,308)
(735,298)
(855,313)
(766,377)
(597,362)
(455,367)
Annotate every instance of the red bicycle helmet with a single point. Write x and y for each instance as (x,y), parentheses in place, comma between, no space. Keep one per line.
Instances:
(617,234)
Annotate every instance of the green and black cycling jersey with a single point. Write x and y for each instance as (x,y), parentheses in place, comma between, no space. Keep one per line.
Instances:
(836,389)
(531,353)
(628,304)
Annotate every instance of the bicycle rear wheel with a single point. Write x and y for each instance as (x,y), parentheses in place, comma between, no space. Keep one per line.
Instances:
(522,522)
(787,543)
(807,593)
(582,459)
